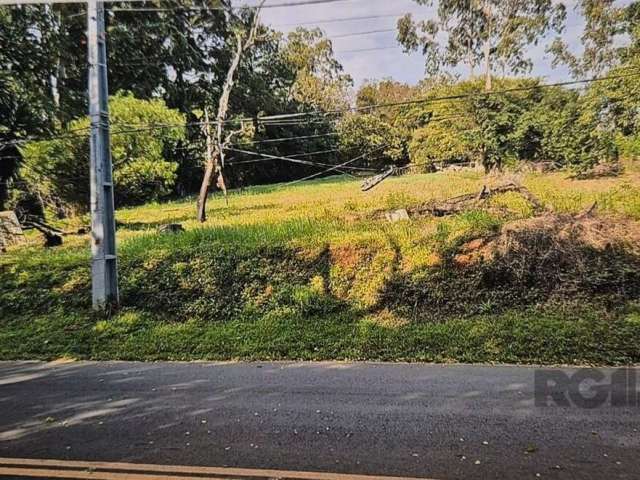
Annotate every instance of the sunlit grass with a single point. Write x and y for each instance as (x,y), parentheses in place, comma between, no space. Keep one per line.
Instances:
(299,272)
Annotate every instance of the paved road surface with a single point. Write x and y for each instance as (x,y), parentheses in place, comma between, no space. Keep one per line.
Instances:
(377,419)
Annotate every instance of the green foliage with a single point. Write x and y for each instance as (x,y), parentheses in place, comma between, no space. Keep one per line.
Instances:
(381,143)
(535,125)
(319,81)
(57,171)
(26,66)
(494,32)
(382,92)
(606,21)
(280,274)
(614,107)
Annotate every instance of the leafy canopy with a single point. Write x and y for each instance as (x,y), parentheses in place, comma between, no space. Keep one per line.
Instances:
(58,170)
(493,32)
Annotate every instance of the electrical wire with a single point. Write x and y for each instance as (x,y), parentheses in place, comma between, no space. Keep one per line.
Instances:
(243,7)
(340,20)
(266,156)
(342,165)
(302,115)
(359,34)
(373,49)
(451,97)
(286,139)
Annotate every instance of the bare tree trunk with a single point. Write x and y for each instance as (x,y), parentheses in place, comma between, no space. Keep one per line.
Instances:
(204,192)
(215,161)
(220,183)
(210,169)
(487,49)
(470,58)
(487,67)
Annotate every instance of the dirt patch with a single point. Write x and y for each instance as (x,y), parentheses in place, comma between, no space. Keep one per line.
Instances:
(550,259)
(562,235)
(347,257)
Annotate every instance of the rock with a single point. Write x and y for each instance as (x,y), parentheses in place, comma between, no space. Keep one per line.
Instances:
(10,230)
(397,215)
(170,228)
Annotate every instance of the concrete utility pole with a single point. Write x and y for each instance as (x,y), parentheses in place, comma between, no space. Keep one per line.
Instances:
(104,272)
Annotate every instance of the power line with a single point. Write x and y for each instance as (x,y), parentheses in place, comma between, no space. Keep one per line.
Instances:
(360,50)
(360,157)
(450,97)
(359,34)
(339,20)
(266,156)
(302,116)
(286,139)
(244,7)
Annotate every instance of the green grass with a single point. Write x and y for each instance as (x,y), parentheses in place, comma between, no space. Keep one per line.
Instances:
(515,337)
(306,272)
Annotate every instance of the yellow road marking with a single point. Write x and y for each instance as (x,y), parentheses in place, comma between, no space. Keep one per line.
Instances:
(37,468)
(72,474)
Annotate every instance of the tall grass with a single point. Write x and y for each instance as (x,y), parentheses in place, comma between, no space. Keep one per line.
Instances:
(310,271)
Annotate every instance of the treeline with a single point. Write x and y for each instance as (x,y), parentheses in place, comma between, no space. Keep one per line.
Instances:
(167,65)
(175,53)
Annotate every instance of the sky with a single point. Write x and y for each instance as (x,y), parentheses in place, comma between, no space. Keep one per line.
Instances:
(388,60)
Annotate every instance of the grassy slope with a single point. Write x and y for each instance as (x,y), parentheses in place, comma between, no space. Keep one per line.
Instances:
(304,273)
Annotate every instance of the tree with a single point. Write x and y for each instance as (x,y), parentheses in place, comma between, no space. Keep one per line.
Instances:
(385,91)
(319,80)
(57,171)
(605,24)
(614,106)
(370,136)
(27,104)
(533,125)
(175,52)
(493,32)
(215,156)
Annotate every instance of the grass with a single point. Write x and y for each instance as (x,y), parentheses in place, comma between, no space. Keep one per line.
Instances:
(305,272)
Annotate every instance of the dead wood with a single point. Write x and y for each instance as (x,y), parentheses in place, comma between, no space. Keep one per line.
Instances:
(470,201)
(601,170)
(215,154)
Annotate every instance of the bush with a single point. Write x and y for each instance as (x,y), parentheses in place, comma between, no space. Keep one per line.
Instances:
(536,125)
(614,107)
(57,171)
(369,135)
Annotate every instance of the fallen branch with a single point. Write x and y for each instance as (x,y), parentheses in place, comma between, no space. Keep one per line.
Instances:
(52,235)
(608,169)
(473,200)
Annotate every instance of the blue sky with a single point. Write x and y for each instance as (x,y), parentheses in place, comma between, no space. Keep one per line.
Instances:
(392,62)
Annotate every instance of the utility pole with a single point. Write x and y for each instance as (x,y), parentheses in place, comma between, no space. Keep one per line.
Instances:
(104,273)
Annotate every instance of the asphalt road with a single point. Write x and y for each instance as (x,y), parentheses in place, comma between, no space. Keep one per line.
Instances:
(441,422)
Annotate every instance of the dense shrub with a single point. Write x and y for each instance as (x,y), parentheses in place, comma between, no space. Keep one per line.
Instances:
(57,171)
(522,124)
(381,143)
(614,106)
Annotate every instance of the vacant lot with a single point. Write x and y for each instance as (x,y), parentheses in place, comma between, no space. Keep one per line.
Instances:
(313,271)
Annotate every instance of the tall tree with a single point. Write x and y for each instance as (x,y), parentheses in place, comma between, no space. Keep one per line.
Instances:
(245,38)
(490,32)
(606,23)
(320,81)
(27,104)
